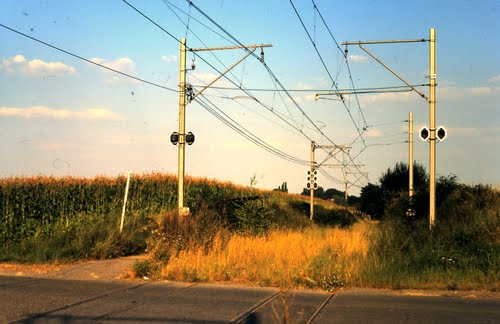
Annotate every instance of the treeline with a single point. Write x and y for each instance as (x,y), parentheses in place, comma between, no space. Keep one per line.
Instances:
(333,195)
(461,249)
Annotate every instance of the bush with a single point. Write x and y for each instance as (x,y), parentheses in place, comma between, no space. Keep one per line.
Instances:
(169,235)
(464,240)
(86,237)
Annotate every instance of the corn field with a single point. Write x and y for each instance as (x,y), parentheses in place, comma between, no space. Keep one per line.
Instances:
(31,206)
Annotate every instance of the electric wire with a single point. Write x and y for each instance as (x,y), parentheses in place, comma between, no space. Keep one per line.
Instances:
(313,43)
(87,60)
(328,72)
(271,73)
(230,122)
(169,5)
(343,54)
(273,76)
(280,115)
(364,90)
(198,21)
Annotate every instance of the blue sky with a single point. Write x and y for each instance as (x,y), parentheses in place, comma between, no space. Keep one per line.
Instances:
(63,116)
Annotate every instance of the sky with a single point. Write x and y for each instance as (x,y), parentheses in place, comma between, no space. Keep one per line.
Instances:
(61,115)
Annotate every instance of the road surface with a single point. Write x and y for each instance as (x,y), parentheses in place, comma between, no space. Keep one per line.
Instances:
(55,300)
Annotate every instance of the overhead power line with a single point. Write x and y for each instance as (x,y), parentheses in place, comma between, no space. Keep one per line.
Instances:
(328,72)
(358,90)
(231,123)
(223,117)
(87,60)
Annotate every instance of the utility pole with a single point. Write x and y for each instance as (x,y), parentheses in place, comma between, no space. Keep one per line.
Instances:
(181,138)
(183,211)
(410,154)
(432,127)
(311,214)
(335,150)
(410,211)
(345,184)
(430,133)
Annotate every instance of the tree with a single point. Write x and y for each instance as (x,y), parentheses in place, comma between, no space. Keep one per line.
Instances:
(282,188)
(318,192)
(394,184)
(372,201)
(393,181)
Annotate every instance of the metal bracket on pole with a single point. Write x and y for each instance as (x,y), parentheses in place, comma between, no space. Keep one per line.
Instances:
(186,95)
(222,74)
(431,99)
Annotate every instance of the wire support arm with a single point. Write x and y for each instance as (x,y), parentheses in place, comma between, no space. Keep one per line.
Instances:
(223,74)
(393,72)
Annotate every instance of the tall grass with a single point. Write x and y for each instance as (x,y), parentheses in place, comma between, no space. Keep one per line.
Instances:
(314,257)
(462,251)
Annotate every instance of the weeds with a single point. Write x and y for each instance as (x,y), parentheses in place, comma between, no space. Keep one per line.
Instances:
(462,250)
(88,237)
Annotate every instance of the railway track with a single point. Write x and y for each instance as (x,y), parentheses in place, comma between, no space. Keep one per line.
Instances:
(174,302)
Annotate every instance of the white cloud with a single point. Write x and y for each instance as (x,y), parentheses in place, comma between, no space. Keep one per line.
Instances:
(372,133)
(122,64)
(169,58)
(478,91)
(459,92)
(35,67)
(303,86)
(310,97)
(494,79)
(42,111)
(18,59)
(207,77)
(388,97)
(463,131)
(358,58)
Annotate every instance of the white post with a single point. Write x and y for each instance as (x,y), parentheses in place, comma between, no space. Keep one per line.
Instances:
(125,201)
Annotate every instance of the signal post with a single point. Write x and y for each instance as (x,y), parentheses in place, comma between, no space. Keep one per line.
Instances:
(186,95)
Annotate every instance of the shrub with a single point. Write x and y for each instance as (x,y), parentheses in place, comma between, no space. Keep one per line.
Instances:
(464,240)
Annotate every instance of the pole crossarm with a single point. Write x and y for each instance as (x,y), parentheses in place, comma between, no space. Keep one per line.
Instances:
(336,149)
(394,72)
(223,48)
(367,91)
(344,166)
(387,41)
(222,74)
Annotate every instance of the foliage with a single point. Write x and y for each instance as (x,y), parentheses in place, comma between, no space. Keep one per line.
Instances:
(371,199)
(331,194)
(314,257)
(86,237)
(253,217)
(462,245)
(396,180)
(375,198)
(282,188)
(171,235)
(40,205)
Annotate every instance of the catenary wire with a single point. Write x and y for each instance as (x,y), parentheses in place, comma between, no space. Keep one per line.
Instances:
(87,60)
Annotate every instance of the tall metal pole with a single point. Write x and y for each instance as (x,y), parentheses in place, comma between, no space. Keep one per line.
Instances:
(410,155)
(432,127)
(182,123)
(311,215)
(345,184)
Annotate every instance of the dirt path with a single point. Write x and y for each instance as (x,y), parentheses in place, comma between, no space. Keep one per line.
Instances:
(112,269)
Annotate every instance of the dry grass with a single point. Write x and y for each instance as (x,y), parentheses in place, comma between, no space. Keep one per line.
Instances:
(281,258)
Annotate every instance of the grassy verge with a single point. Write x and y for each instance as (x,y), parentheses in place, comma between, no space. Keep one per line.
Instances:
(313,257)
(86,237)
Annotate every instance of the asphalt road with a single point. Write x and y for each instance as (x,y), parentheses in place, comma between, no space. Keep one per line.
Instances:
(43,300)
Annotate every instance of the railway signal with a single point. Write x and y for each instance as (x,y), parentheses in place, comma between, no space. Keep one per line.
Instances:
(311,179)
